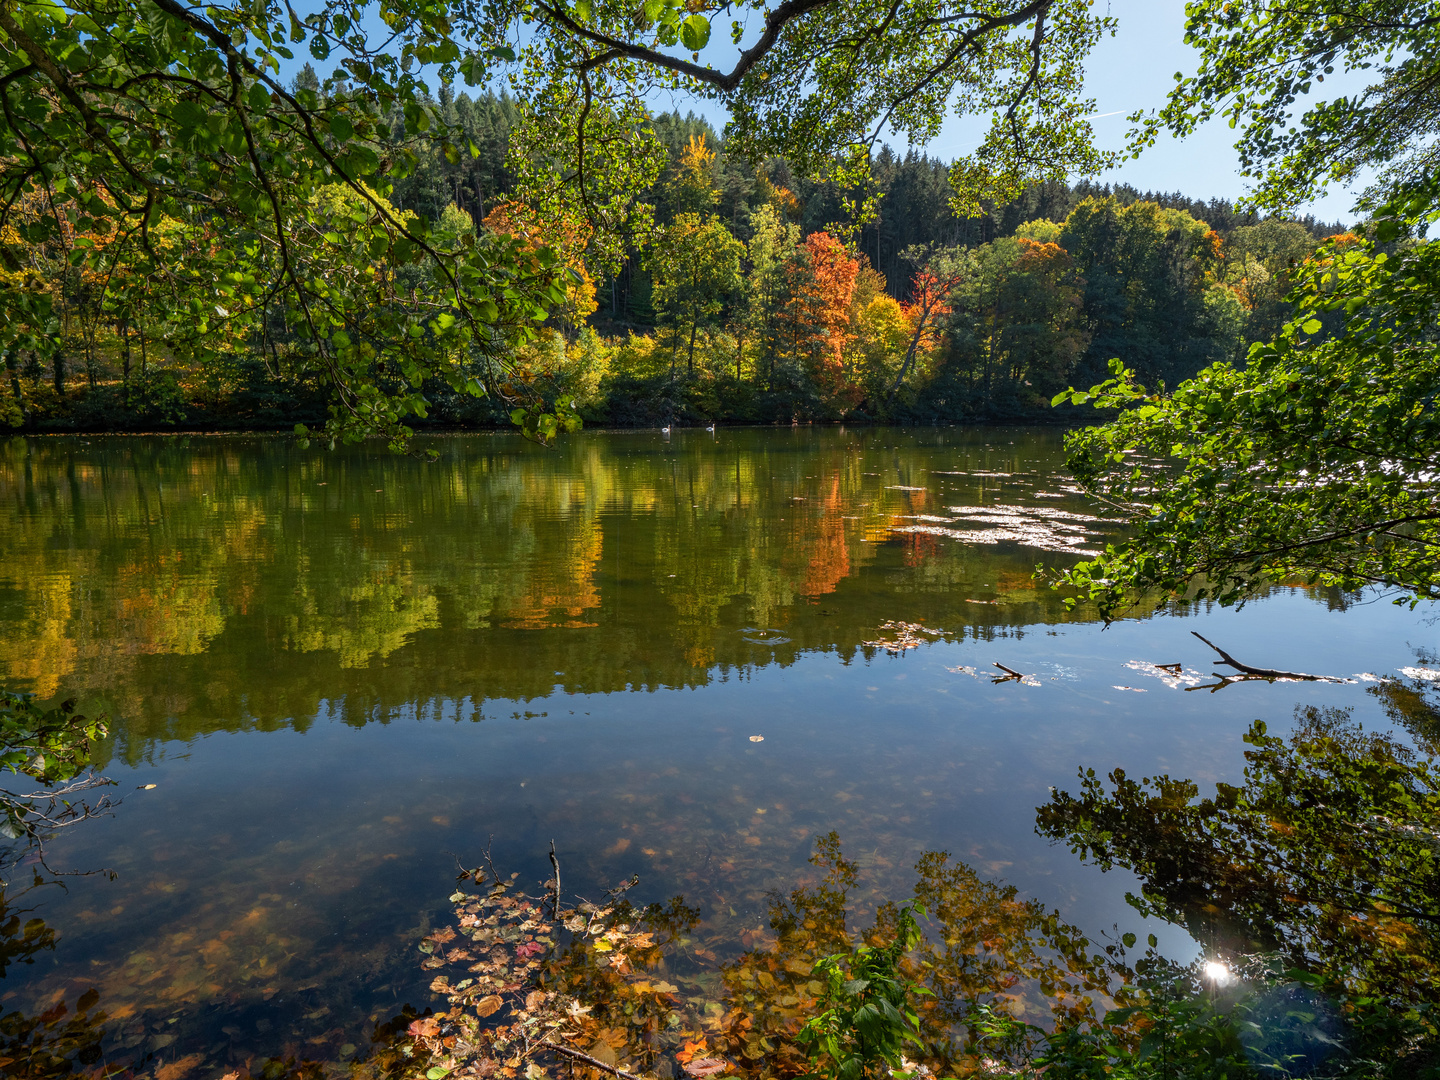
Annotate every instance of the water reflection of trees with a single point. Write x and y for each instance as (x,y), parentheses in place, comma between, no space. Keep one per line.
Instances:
(1323,863)
(247,581)
(61,1039)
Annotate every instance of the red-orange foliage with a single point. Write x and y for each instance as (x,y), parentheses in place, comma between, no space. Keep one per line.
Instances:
(825,303)
(1042,258)
(1214,244)
(824,276)
(929,301)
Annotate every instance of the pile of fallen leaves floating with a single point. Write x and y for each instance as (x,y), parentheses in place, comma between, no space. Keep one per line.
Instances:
(907,636)
(610,989)
(525,988)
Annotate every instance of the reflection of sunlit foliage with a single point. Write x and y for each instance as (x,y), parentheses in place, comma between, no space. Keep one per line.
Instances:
(1327,855)
(634,989)
(1415,704)
(285,582)
(994,949)
(54,1042)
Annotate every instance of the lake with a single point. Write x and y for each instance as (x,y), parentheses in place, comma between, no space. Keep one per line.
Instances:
(332,674)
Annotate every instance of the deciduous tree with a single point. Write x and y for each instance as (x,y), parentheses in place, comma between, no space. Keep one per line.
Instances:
(697,271)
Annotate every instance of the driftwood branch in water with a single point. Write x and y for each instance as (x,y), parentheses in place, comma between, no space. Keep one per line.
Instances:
(1260,673)
(1009,671)
(580,1056)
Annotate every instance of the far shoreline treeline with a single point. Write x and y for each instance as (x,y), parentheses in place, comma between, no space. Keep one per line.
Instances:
(749,298)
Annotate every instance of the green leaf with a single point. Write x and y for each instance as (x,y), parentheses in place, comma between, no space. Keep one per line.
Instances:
(695,32)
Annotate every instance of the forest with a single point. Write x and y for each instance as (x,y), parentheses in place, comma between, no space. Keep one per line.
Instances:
(742,293)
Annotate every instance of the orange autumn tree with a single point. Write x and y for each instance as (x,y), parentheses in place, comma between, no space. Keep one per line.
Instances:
(818,317)
(940,274)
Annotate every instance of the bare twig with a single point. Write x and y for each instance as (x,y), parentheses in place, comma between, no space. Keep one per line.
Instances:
(555,862)
(1010,673)
(624,887)
(579,1055)
(494,874)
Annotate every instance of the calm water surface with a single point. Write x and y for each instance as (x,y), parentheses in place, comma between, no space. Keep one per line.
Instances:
(343,670)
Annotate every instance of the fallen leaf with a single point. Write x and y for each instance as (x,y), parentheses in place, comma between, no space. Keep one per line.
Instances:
(619,846)
(757,738)
(488,1005)
(706,1066)
(603,1051)
(691,1049)
(180,1068)
(147,787)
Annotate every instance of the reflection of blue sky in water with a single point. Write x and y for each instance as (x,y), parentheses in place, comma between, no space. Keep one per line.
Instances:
(282,868)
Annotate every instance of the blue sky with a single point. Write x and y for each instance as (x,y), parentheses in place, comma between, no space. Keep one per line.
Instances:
(1133,70)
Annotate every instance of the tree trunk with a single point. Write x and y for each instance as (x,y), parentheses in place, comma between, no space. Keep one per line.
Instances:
(12,365)
(124,329)
(59,372)
(910,354)
(690,362)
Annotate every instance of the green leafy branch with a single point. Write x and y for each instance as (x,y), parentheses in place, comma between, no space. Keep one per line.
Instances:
(868,1020)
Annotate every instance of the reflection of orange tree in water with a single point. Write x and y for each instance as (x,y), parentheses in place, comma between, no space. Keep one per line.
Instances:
(614,988)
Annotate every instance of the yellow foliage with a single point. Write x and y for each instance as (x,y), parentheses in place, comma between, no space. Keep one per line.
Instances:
(882,334)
